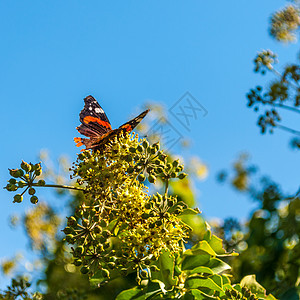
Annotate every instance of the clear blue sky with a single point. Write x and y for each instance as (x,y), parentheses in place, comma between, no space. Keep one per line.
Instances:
(54,53)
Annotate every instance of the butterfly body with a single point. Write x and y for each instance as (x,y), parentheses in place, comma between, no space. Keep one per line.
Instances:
(96,126)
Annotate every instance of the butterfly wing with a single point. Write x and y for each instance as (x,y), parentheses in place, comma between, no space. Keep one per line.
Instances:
(130,125)
(94,122)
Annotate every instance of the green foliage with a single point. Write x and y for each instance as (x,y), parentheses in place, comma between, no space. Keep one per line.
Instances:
(118,228)
(269,242)
(19,290)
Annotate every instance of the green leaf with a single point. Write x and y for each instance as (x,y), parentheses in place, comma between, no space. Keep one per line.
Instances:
(217,245)
(200,247)
(207,236)
(166,264)
(189,211)
(251,283)
(201,269)
(194,294)
(218,280)
(134,293)
(192,262)
(200,282)
(218,266)
(97,279)
(226,280)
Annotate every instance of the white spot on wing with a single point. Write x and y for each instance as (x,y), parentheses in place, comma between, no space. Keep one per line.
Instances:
(98,110)
(90,108)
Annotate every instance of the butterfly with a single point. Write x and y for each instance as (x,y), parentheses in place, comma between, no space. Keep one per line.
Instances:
(96,126)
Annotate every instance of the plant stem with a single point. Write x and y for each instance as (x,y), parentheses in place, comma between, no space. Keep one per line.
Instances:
(293,131)
(281,106)
(60,186)
(167,186)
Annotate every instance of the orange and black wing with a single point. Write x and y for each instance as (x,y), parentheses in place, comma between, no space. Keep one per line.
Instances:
(94,122)
(104,140)
(130,125)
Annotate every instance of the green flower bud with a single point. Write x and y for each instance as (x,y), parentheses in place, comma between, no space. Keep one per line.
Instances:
(141,178)
(34,199)
(41,182)
(18,198)
(173,174)
(175,163)
(159,170)
(84,269)
(151,225)
(37,167)
(77,262)
(152,178)
(145,144)
(12,181)
(234,293)
(132,150)
(157,162)
(11,187)
(128,158)
(79,251)
(179,168)
(139,148)
(25,166)
(148,205)
(103,223)
(156,146)
(162,156)
(38,172)
(70,238)
(21,184)
(149,170)
(68,230)
(170,203)
(31,191)
(169,166)
(97,229)
(71,221)
(158,223)
(152,150)
(130,170)
(14,172)
(182,175)
(145,216)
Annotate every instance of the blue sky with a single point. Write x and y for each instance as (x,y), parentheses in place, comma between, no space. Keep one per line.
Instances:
(54,53)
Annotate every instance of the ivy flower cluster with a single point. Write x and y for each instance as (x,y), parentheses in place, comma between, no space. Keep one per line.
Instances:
(119,227)
(24,179)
